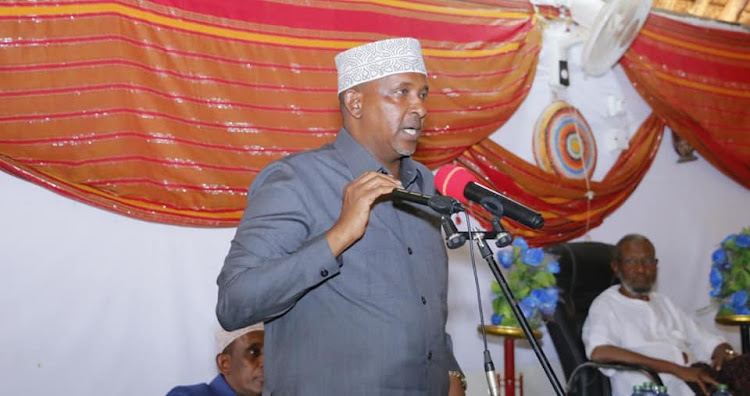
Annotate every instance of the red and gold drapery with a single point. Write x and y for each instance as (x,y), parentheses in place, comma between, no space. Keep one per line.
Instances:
(570,207)
(165,110)
(697,79)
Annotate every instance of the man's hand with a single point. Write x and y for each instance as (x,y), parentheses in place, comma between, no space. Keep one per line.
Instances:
(456,388)
(697,375)
(722,353)
(359,196)
(610,353)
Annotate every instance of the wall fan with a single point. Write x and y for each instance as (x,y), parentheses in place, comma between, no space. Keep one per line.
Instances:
(608,30)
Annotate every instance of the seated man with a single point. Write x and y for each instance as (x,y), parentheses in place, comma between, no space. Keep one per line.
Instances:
(630,323)
(240,363)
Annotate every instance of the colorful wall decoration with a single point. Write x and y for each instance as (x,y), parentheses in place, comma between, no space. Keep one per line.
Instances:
(563,142)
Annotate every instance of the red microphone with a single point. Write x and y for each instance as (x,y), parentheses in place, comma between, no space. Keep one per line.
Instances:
(457,182)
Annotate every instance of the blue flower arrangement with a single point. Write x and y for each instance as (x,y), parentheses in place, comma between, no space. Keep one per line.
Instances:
(730,274)
(530,276)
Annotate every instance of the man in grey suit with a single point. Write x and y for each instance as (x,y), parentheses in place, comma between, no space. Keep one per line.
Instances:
(352,285)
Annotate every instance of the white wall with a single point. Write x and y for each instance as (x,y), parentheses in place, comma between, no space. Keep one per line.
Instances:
(93,301)
(685,209)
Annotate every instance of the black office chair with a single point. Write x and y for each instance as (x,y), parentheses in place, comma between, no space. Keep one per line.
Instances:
(584,273)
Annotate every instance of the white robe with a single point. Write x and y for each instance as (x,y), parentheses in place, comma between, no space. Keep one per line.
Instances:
(655,328)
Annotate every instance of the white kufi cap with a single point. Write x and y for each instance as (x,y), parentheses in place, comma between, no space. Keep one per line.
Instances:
(379,59)
(224,338)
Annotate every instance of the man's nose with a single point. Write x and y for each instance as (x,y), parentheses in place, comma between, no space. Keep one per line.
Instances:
(418,107)
(641,266)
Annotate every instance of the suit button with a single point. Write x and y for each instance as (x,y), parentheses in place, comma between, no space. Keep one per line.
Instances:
(408,250)
(324,272)
(424,300)
(429,355)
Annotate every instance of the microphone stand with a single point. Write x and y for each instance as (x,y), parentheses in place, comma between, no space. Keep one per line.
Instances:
(486,253)
(454,240)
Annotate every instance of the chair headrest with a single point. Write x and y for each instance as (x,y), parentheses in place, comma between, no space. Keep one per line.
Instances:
(584,265)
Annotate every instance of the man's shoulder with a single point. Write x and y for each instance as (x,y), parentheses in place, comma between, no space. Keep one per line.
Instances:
(307,161)
(302,166)
(191,390)
(606,295)
(606,302)
(663,300)
(654,295)
(218,387)
(325,151)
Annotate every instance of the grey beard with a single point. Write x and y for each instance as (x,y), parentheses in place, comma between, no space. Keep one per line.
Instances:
(642,292)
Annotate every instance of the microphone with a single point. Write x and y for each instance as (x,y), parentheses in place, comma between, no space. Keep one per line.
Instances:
(489,373)
(439,203)
(453,238)
(457,182)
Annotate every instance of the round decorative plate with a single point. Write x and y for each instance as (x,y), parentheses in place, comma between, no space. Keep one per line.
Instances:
(563,142)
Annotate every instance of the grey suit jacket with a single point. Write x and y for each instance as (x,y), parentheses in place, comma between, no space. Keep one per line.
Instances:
(370,322)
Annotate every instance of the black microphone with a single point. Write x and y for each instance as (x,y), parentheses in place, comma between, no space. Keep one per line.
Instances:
(439,203)
(453,238)
(457,182)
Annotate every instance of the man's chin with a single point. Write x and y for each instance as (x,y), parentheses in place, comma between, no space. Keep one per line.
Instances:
(255,387)
(256,390)
(406,153)
(638,290)
(406,147)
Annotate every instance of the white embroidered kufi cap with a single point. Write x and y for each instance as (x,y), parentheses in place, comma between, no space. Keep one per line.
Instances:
(378,59)
(224,338)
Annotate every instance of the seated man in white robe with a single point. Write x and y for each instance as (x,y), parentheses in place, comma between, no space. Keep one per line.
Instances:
(630,323)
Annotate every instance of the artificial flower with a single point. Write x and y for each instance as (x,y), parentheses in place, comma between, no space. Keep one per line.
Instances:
(529,273)
(730,274)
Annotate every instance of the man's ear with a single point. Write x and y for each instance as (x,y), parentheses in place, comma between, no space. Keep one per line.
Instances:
(615,267)
(353,102)
(223,362)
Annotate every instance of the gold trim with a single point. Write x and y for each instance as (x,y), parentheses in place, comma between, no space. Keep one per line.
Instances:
(733,319)
(508,331)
